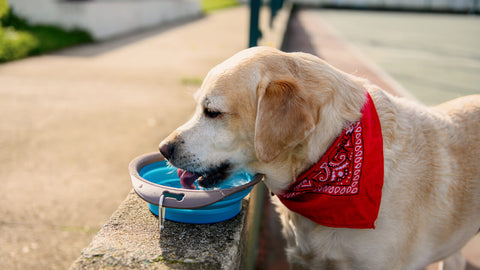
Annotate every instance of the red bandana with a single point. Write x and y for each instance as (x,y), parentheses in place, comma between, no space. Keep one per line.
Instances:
(344,188)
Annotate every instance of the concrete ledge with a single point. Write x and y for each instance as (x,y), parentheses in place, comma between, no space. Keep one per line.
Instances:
(131,240)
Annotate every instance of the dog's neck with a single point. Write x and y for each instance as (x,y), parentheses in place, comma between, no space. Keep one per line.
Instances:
(283,171)
(343,189)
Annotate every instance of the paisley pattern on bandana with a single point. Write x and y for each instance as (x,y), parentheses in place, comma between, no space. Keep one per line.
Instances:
(339,174)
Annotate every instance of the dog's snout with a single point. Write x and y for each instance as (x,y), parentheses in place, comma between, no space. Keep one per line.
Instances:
(167,149)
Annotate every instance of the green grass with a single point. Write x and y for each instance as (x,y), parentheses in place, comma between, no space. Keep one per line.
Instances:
(3,8)
(19,39)
(192,81)
(15,44)
(212,5)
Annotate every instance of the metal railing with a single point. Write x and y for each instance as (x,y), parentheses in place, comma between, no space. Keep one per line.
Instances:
(255,32)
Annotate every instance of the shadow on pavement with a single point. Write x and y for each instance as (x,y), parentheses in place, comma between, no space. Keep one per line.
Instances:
(101,47)
(296,38)
(471,267)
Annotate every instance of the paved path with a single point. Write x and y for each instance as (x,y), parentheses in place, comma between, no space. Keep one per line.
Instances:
(73,120)
(436,57)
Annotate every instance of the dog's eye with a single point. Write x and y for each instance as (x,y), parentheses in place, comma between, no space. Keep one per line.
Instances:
(211,113)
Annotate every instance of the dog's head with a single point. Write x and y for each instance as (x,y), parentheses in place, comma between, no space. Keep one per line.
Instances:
(255,111)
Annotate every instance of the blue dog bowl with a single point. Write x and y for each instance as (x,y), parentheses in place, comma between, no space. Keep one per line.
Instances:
(152,177)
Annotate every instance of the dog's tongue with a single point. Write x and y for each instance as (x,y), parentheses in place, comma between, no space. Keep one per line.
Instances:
(187,179)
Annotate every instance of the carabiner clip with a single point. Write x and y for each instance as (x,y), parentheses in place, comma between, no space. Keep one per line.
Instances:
(161,213)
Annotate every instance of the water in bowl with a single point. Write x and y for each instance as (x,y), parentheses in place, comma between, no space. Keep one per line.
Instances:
(163,174)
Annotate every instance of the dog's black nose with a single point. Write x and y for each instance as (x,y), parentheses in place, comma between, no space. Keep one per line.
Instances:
(167,150)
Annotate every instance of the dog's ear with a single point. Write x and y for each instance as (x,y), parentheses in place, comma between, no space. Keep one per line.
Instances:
(284,118)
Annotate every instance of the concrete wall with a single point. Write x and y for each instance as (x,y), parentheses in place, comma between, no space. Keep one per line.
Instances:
(105,18)
(452,5)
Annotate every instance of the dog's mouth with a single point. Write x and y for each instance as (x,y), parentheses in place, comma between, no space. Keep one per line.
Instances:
(206,179)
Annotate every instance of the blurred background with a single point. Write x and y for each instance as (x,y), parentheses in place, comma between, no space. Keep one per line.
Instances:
(87,85)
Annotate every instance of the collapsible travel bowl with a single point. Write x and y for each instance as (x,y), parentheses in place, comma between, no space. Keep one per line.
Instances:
(158,184)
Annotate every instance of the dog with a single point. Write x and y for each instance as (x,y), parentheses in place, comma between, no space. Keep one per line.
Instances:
(278,113)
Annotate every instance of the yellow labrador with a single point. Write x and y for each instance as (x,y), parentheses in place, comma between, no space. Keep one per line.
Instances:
(277,113)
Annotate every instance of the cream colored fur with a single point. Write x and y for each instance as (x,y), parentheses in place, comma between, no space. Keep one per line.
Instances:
(279,112)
